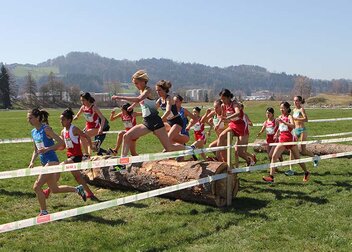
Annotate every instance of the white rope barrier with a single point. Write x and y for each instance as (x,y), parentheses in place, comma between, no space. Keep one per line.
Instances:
(104,205)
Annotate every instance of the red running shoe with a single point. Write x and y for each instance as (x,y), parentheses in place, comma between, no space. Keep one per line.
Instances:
(269,179)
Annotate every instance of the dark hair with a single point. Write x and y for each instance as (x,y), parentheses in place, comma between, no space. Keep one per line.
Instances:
(164,85)
(68,114)
(88,97)
(42,114)
(300,99)
(218,101)
(125,106)
(197,109)
(179,97)
(241,105)
(270,109)
(287,106)
(225,92)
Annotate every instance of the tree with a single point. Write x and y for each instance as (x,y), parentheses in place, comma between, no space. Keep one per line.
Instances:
(30,88)
(74,93)
(302,86)
(5,90)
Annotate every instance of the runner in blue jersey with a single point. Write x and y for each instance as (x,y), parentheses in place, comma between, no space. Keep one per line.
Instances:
(44,147)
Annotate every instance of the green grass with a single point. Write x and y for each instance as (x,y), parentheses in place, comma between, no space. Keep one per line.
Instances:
(37,72)
(289,215)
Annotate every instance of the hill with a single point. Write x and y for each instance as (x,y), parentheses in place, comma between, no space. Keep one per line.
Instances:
(90,71)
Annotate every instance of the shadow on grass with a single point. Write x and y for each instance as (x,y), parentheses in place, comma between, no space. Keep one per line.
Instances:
(281,194)
(100,220)
(347,185)
(17,193)
(136,205)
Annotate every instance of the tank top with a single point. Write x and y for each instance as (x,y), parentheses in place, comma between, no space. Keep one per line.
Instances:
(297,113)
(283,127)
(128,121)
(41,140)
(92,118)
(270,127)
(216,121)
(174,113)
(185,122)
(72,143)
(230,110)
(199,129)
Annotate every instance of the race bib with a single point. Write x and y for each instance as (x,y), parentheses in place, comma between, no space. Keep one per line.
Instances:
(283,127)
(197,127)
(145,110)
(88,117)
(68,143)
(39,145)
(270,130)
(296,114)
(128,124)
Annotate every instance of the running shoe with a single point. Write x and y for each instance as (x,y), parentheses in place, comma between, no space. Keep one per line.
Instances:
(315,161)
(81,192)
(92,197)
(43,212)
(85,158)
(269,179)
(306,176)
(120,167)
(46,192)
(290,173)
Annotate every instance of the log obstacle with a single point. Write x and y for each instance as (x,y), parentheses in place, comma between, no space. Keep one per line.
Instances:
(152,175)
(316,149)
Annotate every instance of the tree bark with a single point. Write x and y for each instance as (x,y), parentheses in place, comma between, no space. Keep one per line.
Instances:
(316,149)
(158,174)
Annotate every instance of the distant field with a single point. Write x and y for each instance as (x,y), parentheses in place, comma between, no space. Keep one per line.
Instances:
(37,72)
(287,216)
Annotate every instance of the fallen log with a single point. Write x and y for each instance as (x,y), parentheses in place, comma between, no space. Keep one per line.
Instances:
(316,149)
(158,174)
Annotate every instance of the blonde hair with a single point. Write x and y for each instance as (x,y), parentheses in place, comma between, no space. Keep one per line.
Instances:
(164,85)
(141,75)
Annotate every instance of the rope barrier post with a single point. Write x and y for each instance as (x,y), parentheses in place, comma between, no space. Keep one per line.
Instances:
(229,182)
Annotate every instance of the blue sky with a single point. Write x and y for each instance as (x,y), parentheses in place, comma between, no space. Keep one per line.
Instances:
(308,37)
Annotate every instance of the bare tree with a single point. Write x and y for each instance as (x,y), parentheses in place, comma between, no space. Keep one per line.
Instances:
(302,87)
(30,88)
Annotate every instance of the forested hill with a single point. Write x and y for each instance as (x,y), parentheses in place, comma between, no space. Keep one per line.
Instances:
(90,71)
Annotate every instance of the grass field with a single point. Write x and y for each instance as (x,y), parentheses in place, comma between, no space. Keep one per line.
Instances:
(37,72)
(288,215)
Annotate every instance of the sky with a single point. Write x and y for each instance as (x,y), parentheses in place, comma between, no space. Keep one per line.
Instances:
(307,37)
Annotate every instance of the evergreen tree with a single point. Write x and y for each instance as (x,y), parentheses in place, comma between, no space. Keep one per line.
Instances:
(5,91)
(30,89)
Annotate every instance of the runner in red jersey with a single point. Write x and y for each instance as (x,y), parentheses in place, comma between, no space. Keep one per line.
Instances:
(286,125)
(199,134)
(270,127)
(129,121)
(71,136)
(232,112)
(96,123)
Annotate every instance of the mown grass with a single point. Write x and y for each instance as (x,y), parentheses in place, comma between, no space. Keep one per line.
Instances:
(37,72)
(289,215)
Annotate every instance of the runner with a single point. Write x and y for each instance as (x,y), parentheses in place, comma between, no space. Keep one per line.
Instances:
(171,117)
(232,112)
(183,136)
(286,125)
(270,127)
(213,117)
(199,134)
(128,118)
(44,146)
(96,124)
